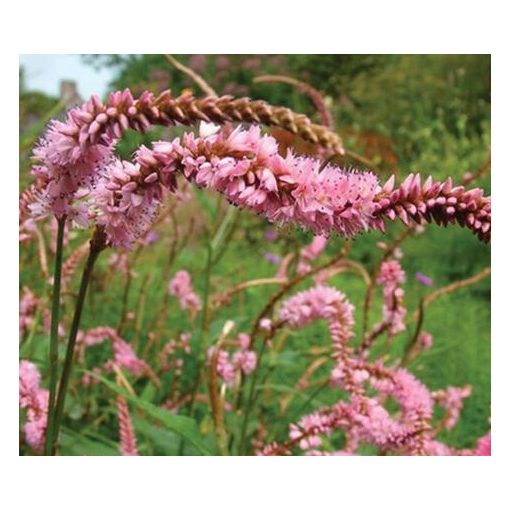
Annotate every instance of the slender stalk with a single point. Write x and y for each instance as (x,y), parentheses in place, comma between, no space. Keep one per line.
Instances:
(214,252)
(192,74)
(232,218)
(125,296)
(159,318)
(214,248)
(53,354)
(43,259)
(127,288)
(203,329)
(201,340)
(313,94)
(216,398)
(430,298)
(97,244)
(27,341)
(251,398)
(406,358)
(140,310)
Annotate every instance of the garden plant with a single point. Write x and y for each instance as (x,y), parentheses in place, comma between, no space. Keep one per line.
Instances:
(243,283)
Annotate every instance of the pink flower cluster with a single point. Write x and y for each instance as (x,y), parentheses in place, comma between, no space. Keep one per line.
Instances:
(364,417)
(126,431)
(79,176)
(319,302)
(28,305)
(166,356)
(451,399)
(425,340)
(26,224)
(391,276)
(123,355)
(74,153)
(224,368)
(309,429)
(69,161)
(441,202)
(324,302)
(35,400)
(242,360)
(365,420)
(245,167)
(415,401)
(124,209)
(483,446)
(180,286)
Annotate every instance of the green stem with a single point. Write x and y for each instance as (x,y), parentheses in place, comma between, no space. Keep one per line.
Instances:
(53,354)
(202,338)
(213,248)
(214,253)
(205,317)
(251,398)
(97,244)
(220,241)
(406,358)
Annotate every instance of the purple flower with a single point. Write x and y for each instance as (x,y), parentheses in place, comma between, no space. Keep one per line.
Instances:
(272,258)
(424,279)
(151,237)
(271,235)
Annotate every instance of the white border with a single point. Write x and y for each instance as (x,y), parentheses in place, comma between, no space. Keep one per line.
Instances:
(254,27)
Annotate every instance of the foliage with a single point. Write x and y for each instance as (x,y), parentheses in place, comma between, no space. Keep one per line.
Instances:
(435,120)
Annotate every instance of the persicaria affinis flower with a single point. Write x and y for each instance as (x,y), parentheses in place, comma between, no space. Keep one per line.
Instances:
(180,286)
(391,276)
(34,400)
(451,399)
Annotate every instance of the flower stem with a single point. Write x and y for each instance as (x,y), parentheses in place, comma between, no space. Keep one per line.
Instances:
(53,354)
(215,396)
(202,340)
(251,398)
(214,253)
(97,244)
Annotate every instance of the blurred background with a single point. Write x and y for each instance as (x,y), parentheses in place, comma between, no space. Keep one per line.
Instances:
(396,113)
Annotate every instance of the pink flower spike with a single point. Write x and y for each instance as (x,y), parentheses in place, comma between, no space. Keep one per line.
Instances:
(34,400)
(180,287)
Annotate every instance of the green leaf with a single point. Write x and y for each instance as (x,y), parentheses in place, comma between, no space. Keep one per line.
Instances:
(163,441)
(184,426)
(149,392)
(72,443)
(223,230)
